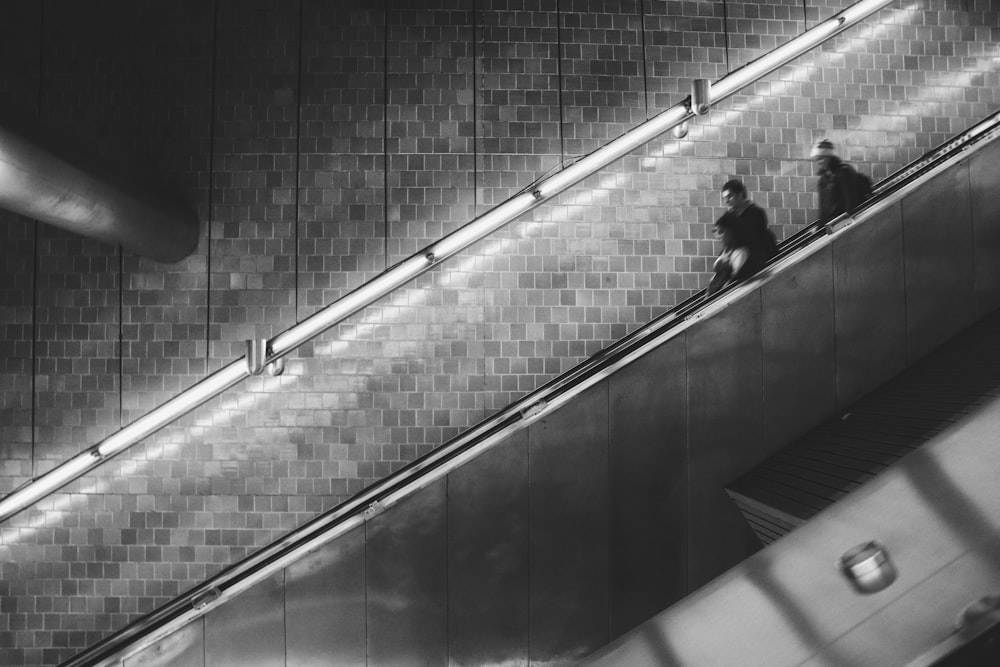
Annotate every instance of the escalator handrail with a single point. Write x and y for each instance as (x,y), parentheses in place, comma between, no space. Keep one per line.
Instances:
(388,491)
(273,351)
(380,495)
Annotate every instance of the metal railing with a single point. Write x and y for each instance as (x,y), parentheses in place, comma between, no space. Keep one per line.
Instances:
(519,415)
(272,352)
(440,462)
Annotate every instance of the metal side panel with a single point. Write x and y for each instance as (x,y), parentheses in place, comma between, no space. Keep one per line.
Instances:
(184,648)
(725,433)
(249,629)
(648,459)
(407,581)
(799,366)
(488,557)
(568,495)
(325,605)
(870,305)
(937,250)
(984,183)
(937,513)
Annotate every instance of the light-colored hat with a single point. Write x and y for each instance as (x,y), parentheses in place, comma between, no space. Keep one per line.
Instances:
(822,148)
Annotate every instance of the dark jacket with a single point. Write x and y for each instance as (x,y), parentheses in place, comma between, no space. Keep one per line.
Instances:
(838,191)
(746,229)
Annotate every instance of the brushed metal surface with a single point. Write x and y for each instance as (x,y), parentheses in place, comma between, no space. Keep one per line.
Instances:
(648,493)
(406,561)
(938,514)
(488,556)
(725,433)
(986,226)
(938,254)
(249,629)
(184,648)
(883,426)
(870,305)
(325,605)
(568,491)
(797,329)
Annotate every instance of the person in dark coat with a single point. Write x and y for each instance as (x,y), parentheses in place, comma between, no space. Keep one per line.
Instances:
(837,188)
(747,243)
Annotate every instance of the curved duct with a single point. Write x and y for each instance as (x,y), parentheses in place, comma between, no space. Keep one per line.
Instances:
(45,178)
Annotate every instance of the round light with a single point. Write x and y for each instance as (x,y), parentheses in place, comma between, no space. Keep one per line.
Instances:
(867,567)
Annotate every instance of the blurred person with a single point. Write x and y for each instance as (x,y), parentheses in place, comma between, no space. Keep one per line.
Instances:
(747,243)
(841,188)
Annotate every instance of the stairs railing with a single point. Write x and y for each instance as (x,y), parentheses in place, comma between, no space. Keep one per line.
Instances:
(270,353)
(306,539)
(373,500)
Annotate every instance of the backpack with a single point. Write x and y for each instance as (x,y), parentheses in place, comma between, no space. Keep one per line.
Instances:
(863,186)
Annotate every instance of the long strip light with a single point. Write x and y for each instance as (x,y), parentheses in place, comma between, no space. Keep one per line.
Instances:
(80,464)
(441,462)
(402,273)
(610,152)
(501,426)
(423,260)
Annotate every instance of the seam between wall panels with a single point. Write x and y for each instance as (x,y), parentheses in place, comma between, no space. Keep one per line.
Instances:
(364,564)
(608,453)
(385,134)
(36,257)
(478,86)
(298,166)
(906,293)
(645,66)
(687,465)
(211,185)
(284,601)
(978,307)
(836,338)
(725,31)
(34,347)
(559,77)
(121,337)
(763,381)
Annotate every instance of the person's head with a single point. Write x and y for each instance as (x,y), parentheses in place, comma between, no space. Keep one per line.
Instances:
(734,194)
(823,155)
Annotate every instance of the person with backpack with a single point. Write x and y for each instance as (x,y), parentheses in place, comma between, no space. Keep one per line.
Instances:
(841,187)
(747,242)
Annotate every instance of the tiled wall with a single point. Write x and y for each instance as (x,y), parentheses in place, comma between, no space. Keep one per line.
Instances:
(322,142)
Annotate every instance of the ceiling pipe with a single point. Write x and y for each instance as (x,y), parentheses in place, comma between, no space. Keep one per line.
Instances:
(47,178)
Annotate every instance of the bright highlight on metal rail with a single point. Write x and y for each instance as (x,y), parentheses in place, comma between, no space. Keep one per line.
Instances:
(415,265)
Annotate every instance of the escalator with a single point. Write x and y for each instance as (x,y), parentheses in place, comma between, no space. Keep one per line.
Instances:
(911,466)
(931,398)
(562,522)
